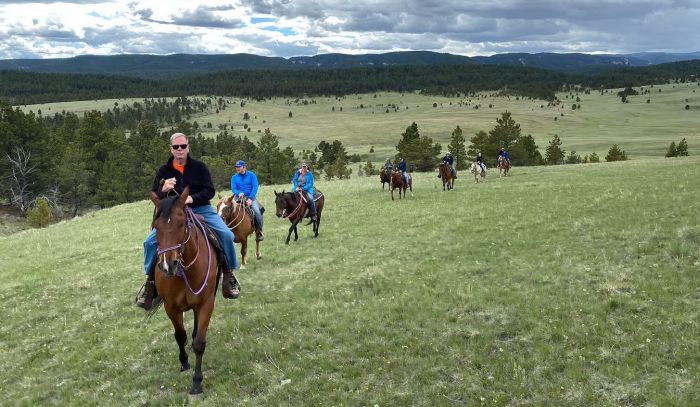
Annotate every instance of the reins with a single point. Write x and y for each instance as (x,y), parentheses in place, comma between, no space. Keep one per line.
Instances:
(291,215)
(191,220)
(235,217)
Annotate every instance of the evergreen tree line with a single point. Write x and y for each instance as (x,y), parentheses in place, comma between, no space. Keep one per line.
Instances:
(30,88)
(75,163)
(160,111)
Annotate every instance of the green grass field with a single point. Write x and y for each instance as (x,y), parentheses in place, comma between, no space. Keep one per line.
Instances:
(643,130)
(571,285)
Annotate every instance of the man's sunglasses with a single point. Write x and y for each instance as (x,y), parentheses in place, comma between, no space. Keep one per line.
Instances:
(179,146)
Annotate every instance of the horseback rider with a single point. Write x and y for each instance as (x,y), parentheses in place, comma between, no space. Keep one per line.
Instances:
(504,153)
(480,160)
(388,165)
(401,166)
(303,181)
(449,160)
(244,186)
(179,172)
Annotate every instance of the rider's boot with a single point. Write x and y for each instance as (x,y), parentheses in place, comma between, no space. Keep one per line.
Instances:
(148,293)
(230,287)
(259,235)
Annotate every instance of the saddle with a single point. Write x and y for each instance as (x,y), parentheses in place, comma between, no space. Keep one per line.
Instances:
(317,196)
(250,212)
(215,243)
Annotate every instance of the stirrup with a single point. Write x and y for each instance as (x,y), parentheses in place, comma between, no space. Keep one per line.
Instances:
(259,236)
(146,301)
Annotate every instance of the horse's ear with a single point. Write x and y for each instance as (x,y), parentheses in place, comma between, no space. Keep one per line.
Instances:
(183,196)
(228,200)
(154,198)
(275,191)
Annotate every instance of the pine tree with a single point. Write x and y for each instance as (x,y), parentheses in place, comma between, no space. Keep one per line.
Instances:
(417,150)
(456,147)
(672,150)
(479,144)
(593,158)
(504,134)
(554,154)
(682,148)
(616,154)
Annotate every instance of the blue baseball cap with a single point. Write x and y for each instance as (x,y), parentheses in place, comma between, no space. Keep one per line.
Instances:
(240,163)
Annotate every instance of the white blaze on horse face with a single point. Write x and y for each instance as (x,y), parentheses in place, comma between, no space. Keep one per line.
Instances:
(165,264)
(221,209)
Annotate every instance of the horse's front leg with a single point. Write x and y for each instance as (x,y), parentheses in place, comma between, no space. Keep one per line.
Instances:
(244,251)
(180,334)
(296,233)
(199,343)
(291,229)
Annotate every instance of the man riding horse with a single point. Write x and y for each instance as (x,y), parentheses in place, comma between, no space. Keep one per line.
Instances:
(449,160)
(504,153)
(179,172)
(401,167)
(244,186)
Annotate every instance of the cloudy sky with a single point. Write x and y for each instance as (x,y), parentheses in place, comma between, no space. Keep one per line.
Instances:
(52,29)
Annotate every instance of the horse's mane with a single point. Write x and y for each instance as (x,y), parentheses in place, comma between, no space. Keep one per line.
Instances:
(165,208)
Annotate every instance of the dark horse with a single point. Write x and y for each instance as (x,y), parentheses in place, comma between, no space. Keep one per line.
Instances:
(290,205)
(446,176)
(240,221)
(503,166)
(185,251)
(397,182)
(385,176)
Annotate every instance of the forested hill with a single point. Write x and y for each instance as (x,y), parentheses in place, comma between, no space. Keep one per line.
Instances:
(29,88)
(179,65)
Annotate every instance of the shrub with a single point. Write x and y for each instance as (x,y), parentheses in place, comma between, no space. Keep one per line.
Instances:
(40,215)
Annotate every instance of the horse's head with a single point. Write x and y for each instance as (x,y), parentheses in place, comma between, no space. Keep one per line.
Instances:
(225,208)
(281,204)
(170,223)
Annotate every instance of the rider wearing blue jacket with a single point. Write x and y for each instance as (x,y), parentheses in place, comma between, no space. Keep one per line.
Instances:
(449,160)
(504,153)
(244,184)
(304,181)
(401,166)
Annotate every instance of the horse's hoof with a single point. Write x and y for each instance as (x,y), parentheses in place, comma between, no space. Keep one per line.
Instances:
(195,390)
(185,367)
(242,266)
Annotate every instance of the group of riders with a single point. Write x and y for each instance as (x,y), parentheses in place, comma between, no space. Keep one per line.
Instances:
(182,171)
(448,159)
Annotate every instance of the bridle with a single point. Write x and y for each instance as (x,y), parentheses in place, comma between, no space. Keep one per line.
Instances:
(191,221)
(235,216)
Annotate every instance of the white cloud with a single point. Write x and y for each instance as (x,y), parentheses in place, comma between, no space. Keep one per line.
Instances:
(44,29)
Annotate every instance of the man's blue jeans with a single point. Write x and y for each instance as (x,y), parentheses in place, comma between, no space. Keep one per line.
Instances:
(214,221)
(255,206)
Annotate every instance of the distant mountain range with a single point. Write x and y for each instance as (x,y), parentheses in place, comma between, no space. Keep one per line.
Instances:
(178,65)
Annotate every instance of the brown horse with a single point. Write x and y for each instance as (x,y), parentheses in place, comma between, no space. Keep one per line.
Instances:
(385,177)
(478,171)
(185,251)
(397,182)
(503,166)
(292,206)
(446,176)
(240,221)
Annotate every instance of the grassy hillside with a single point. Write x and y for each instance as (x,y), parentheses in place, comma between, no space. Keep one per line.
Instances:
(569,285)
(642,129)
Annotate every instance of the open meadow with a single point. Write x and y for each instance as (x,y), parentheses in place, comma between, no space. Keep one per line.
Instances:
(573,285)
(642,129)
